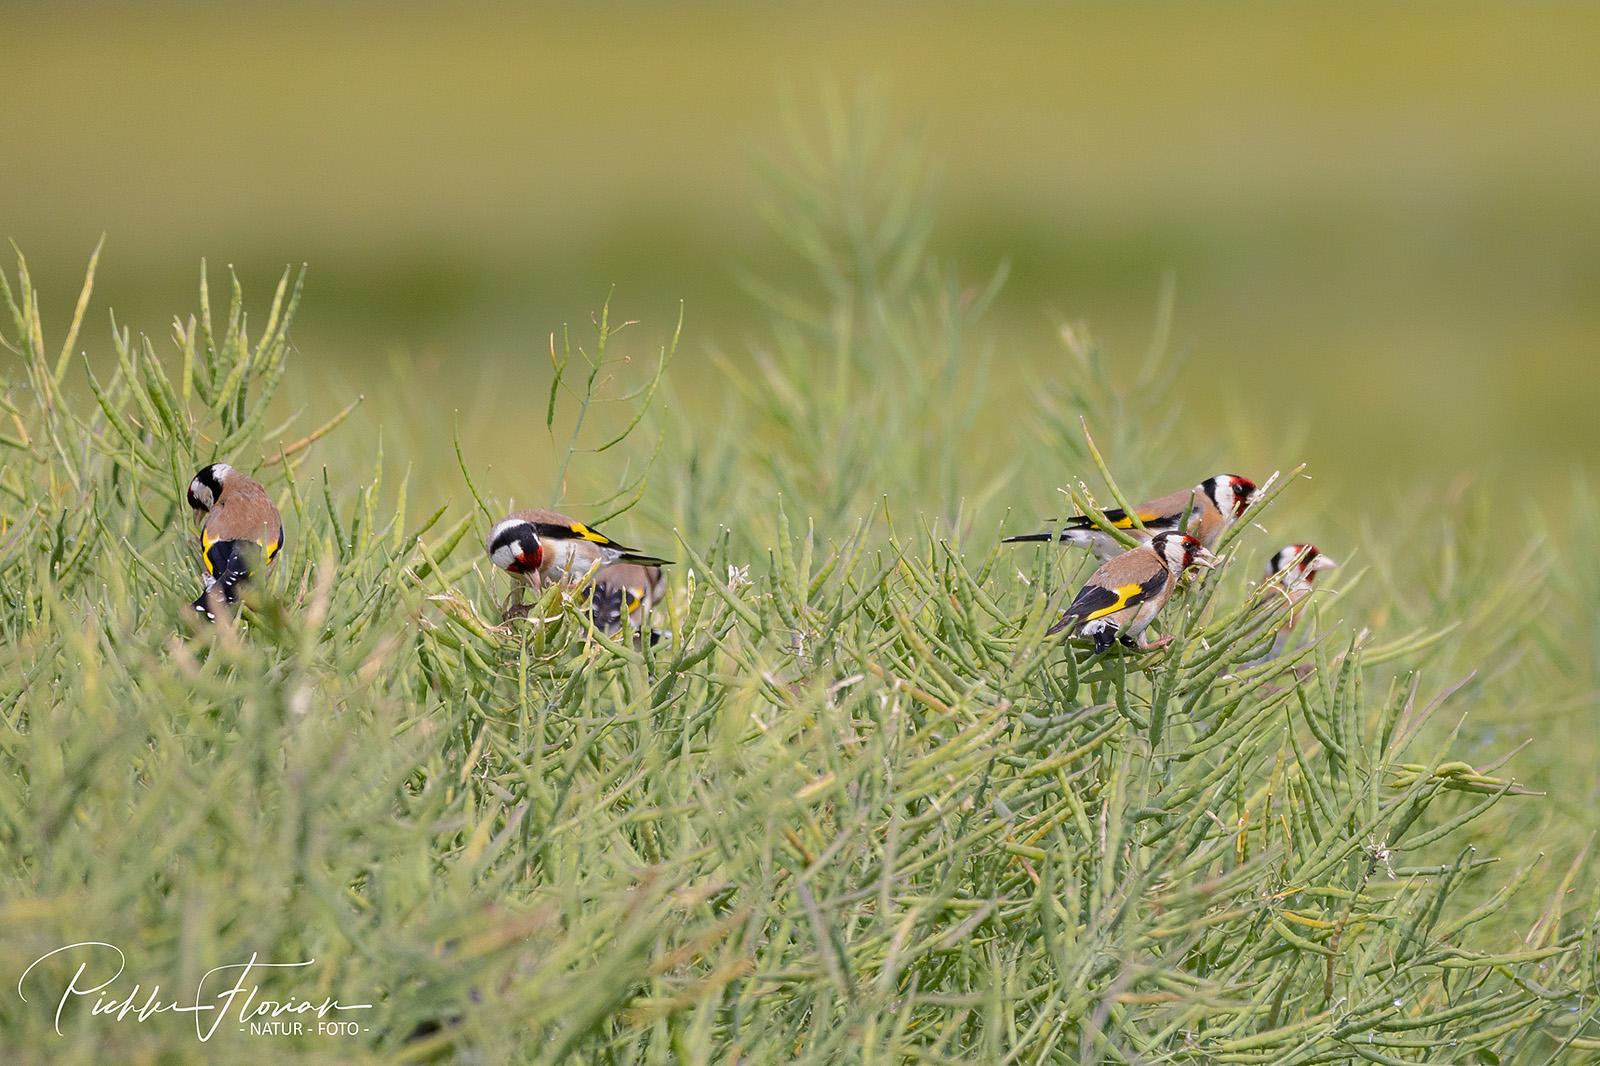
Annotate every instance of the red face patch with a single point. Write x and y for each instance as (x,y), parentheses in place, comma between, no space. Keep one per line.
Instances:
(1243,490)
(526,562)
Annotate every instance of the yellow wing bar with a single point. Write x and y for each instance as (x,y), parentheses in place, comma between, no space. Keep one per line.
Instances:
(588,534)
(1124,593)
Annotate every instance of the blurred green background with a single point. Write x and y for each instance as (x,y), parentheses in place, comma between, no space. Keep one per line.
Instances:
(1383,220)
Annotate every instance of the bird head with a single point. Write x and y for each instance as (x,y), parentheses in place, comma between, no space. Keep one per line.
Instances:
(514,546)
(207,486)
(1179,551)
(1230,492)
(1299,564)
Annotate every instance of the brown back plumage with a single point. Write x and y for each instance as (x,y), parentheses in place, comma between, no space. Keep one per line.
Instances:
(538,515)
(243,511)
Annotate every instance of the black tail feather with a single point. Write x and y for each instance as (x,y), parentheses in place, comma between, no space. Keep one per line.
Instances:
(1066,621)
(226,591)
(1075,525)
(232,561)
(643,560)
(1028,538)
(608,605)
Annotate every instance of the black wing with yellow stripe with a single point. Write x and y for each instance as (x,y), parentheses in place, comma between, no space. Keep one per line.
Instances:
(608,603)
(579,531)
(576,531)
(1117,517)
(238,558)
(1152,520)
(233,563)
(1097,601)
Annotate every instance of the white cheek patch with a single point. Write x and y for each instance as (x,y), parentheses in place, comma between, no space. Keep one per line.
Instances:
(1172,553)
(504,556)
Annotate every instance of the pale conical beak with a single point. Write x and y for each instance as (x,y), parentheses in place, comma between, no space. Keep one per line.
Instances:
(1204,558)
(1322,562)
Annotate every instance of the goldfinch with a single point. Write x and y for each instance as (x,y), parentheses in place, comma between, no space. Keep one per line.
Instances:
(625,589)
(1122,598)
(549,546)
(241,533)
(1213,506)
(1291,573)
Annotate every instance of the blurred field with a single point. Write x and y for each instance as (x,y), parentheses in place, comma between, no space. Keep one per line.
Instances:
(1382,219)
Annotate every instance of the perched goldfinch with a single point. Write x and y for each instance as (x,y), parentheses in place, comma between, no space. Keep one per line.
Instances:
(548,546)
(1122,598)
(1213,506)
(241,533)
(625,588)
(1291,573)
